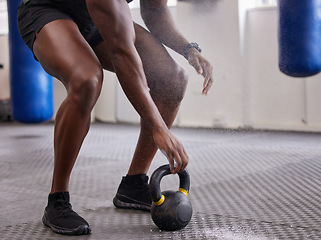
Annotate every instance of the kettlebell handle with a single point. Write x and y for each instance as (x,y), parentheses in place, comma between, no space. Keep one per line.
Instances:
(158,174)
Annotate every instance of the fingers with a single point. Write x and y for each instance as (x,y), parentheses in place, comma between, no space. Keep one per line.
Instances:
(172,148)
(208,82)
(178,160)
(171,164)
(208,77)
(203,67)
(185,160)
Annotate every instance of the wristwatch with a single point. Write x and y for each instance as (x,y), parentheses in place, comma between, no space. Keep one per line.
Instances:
(189,46)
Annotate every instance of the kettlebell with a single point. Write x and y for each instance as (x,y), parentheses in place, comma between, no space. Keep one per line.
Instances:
(170,210)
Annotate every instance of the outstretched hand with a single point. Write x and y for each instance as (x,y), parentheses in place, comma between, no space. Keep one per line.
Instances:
(203,67)
(172,148)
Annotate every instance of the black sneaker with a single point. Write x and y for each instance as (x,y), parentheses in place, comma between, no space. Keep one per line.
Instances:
(133,193)
(60,217)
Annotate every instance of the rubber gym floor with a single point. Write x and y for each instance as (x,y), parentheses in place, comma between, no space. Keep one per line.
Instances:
(244,184)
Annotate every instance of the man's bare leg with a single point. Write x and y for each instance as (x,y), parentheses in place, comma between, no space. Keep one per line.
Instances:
(82,80)
(167,82)
(71,60)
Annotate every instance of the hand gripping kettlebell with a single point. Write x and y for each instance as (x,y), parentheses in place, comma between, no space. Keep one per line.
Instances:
(170,210)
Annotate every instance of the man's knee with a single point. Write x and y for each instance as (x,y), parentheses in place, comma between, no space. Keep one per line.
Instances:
(172,86)
(85,89)
(182,79)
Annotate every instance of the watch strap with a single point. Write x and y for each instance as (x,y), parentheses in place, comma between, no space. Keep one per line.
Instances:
(189,46)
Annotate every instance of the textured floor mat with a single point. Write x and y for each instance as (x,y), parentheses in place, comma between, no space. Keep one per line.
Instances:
(244,184)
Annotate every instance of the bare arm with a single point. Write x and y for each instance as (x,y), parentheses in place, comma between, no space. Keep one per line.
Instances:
(113,19)
(160,22)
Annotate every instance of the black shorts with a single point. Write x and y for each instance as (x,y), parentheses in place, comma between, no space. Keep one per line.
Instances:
(35,14)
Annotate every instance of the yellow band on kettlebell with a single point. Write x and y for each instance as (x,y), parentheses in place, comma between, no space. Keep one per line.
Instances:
(182,190)
(160,202)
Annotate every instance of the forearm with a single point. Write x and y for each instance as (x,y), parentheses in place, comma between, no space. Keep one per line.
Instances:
(160,23)
(114,22)
(134,85)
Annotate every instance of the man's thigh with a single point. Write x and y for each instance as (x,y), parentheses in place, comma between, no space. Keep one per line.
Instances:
(157,62)
(158,65)
(62,50)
